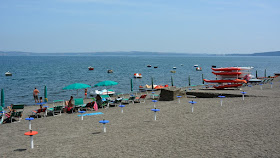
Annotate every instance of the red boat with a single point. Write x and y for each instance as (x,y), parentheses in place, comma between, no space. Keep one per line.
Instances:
(90,68)
(230,77)
(230,68)
(228,86)
(226,81)
(227,73)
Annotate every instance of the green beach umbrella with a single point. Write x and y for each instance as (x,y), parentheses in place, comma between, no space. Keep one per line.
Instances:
(45,94)
(131,85)
(106,83)
(2,98)
(171,81)
(76,86)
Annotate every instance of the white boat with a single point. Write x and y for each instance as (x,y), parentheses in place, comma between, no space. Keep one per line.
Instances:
(195,66)
(8,74)
(138,75)
(198,69)
(174,67)
(104,92)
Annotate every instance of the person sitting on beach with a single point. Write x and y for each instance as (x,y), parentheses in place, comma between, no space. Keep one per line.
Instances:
(8,114)
(98,100)
(69,105)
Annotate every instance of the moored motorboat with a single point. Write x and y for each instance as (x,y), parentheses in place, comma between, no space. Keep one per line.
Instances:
(149,65)
(110,71)
(90,68)
(174,67)
(198,69)
(8,73)
(155,67)
(137,75)
(195,66)
(173,71)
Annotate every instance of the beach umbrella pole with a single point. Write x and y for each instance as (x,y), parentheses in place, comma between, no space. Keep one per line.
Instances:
(192,108)
(155,115)
(104,128)
(221,102)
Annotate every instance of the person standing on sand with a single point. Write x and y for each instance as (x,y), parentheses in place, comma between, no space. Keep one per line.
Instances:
(35,95)
(86,93)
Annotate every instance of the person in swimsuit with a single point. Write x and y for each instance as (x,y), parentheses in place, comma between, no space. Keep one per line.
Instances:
(35,95)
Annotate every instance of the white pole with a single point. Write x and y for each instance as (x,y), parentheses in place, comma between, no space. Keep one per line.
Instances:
(82,118)
(243,96)
(221,102)
(192,107)
(31,141)
(104,127)
(261,87)
(29,125)
(122,109)
(155,116)
(179,100)
(154,104)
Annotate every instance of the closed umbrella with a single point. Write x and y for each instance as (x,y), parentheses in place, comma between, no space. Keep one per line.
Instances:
(152,83)
(2,98)
(45,94)
(131,85)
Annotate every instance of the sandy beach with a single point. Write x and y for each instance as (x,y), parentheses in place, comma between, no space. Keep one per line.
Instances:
(249,128)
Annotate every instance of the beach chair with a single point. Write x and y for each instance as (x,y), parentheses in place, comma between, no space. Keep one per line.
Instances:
(57,108)
(154,96)
(141,98)
(107,97)
(17,112)
(79,103)
(127,100)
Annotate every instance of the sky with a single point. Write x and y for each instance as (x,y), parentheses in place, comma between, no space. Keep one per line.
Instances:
(179,26)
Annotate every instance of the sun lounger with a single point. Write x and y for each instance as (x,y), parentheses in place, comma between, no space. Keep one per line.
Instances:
(57,108)
(127,100)
(140,99)
(17,111)
(79,103)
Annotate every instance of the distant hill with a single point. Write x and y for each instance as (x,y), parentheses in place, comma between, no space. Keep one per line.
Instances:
(276,53)
(132,53)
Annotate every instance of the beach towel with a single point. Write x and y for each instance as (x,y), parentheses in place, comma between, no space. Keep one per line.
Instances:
(89,114)
(95,107)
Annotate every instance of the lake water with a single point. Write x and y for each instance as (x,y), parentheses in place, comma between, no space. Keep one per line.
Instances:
(56,72)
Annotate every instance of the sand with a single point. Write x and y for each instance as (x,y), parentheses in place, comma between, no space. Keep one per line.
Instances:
(249,128)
